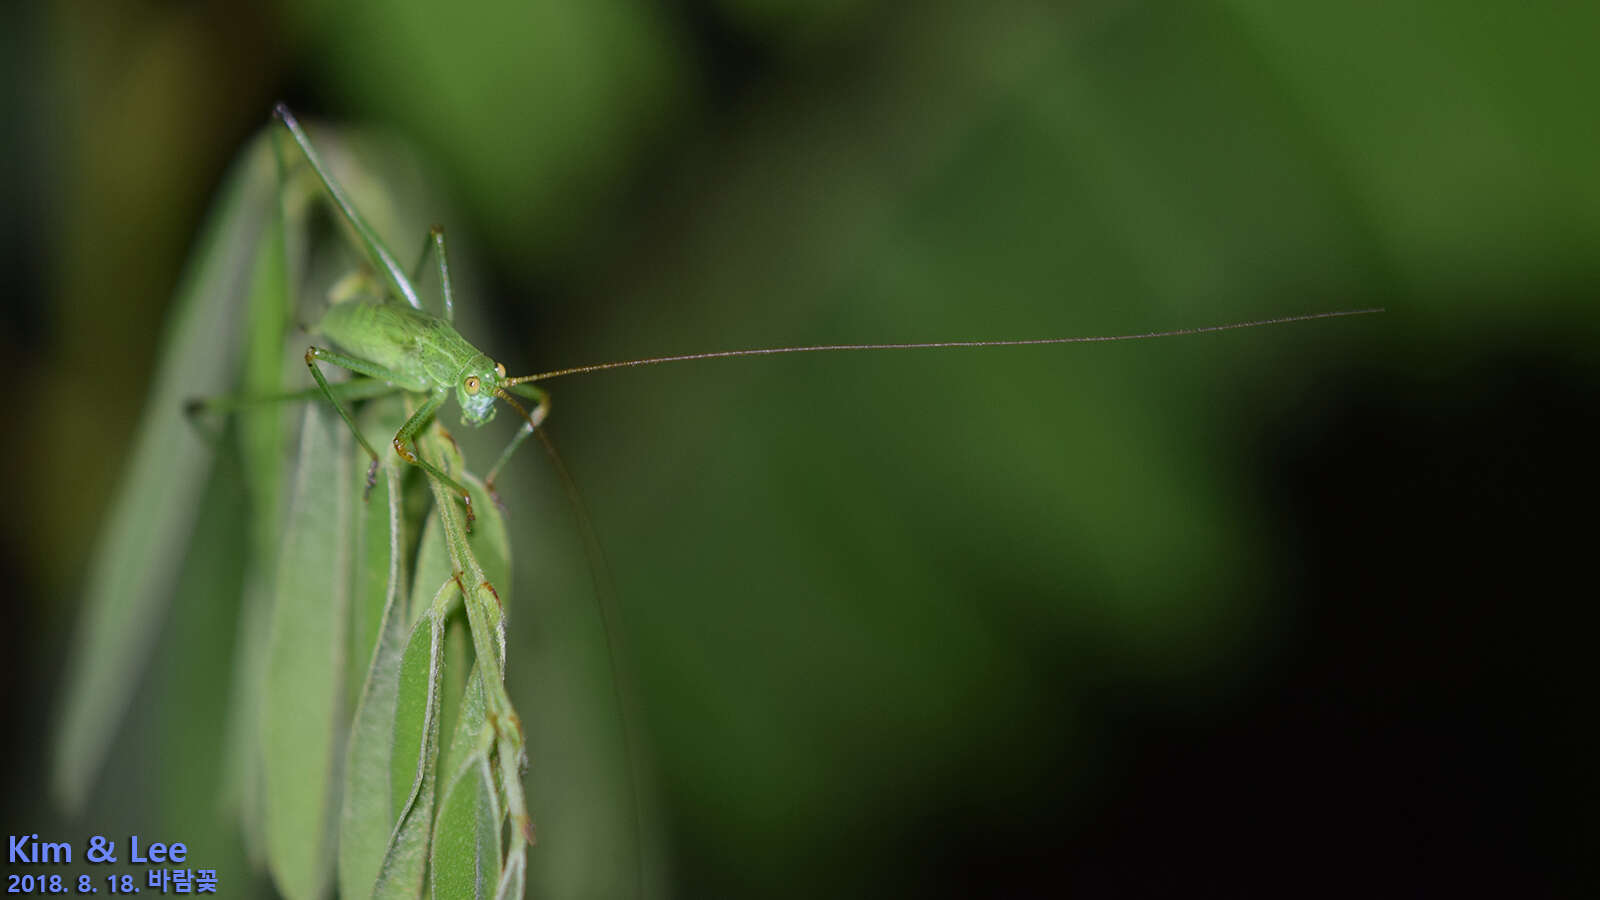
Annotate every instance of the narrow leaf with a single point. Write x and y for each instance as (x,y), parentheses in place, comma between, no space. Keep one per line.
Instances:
(191,687)
(515,874)
(457,663)
(415,758)
(265,463)
(432,570)
(136,558)
(302,714)
(466,837)
(367,819)
(380,570)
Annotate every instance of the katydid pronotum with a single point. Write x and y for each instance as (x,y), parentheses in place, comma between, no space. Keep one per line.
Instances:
(381,331)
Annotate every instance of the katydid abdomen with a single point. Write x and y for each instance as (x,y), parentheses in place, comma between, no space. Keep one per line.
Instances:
(422,351)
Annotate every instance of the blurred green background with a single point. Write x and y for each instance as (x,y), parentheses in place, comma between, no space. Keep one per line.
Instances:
(1254,609)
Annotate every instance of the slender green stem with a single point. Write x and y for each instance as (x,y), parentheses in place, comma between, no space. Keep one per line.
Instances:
(486,623)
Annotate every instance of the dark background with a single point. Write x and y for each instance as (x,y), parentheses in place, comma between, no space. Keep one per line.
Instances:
(1302,610)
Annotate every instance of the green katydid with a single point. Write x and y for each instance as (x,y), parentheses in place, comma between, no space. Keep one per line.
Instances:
(394,340)
(382,332)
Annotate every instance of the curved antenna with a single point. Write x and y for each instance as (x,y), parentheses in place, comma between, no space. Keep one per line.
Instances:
(937,345)
(605,593)
(506,396)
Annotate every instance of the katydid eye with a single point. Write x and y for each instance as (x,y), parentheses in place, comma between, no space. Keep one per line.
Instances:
(500,369)
(472,384)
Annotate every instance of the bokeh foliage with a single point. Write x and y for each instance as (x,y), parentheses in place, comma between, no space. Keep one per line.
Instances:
(879,608)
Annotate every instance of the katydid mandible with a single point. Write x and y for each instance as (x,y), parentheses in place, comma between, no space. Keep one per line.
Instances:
(396,342)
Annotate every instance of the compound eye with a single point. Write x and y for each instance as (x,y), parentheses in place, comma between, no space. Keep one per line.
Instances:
(500,369)
(472,384)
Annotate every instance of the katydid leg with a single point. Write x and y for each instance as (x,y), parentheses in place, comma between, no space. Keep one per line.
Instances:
(360,367)
(535,418)
(358,389)
(355,389)
(370,241)
(408,435)
(433,245)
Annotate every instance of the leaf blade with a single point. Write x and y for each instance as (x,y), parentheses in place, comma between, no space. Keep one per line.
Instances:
(302,725)
(367,816)
(138,552)
(466,835)
(415,759)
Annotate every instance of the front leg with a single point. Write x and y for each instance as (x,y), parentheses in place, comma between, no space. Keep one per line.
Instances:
(408,435)
(531,421)
(360,367)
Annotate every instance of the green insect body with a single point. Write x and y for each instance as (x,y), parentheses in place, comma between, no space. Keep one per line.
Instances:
(419,352)
(393,340)
(382,332)
(415,351)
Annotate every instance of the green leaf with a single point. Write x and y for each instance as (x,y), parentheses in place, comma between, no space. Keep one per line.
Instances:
(379,575)
(190,677)
(367,819)
(466,837)
(303,709)
(415,757)
(486,620)
(489,540)
(432,570)
(264,461)
(242,779)
(489,544)
(457,663)
(484,554)
(136,558)
(515,874)
(442,548)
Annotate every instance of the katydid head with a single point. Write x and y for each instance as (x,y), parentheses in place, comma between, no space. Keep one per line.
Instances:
(477,388)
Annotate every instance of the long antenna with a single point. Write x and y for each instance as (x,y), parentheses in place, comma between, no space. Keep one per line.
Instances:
(605,592)
(936,345)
